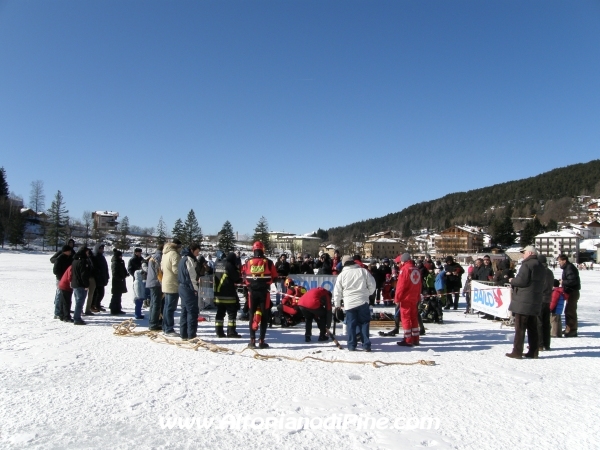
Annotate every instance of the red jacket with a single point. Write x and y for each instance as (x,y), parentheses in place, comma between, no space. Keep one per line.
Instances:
(261,269)
(408,287)
(65,282)
(316,298)
(293,295)
(556,293)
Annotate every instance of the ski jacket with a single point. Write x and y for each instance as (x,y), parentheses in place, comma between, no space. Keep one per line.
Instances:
(440,281)
(408,287)
(528,286)
(119,273)
(454,273)
(169,265)
(316,298)
(548,287)
(135,264)
(81,270)
(259,271)
(354,285)
(139,288)
(570,278)
(186,271)
(101,273)
(63,261)
(557,304)
(65,282)
(153,269)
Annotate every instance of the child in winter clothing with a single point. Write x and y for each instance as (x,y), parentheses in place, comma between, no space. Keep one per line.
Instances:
(440,285)
(388,299)
(139,290)
(557,305)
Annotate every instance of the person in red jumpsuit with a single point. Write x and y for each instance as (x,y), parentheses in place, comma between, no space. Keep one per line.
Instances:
(316,304)
(259,273)
(408,293)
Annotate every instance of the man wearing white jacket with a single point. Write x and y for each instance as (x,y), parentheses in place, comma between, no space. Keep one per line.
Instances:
(354,285)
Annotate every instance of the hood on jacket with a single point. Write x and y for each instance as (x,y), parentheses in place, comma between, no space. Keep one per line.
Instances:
(97,247)
(81,253)
(138,275)
(186,252)
(169,247)
(231,258)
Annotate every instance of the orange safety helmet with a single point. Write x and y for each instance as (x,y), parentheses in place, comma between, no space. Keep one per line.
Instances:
(258,246)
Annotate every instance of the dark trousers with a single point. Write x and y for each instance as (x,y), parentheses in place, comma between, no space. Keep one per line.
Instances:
(319,316)
(115,303)
(525,323)
(65,305)
(571,312)
(259,301)
(157,304)
(98,297)
(225,308)
(453,291)
(544,326)
(188,321)
(378,295)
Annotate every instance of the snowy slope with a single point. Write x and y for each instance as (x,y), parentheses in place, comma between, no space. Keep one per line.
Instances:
(63,386)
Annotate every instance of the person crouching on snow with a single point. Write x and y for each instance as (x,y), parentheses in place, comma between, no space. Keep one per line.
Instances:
(316,304)
(139,289)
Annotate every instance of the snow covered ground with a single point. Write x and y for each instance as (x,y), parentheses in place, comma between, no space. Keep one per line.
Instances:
(63,386)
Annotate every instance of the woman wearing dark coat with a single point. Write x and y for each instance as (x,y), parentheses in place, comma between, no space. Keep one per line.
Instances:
(119,287)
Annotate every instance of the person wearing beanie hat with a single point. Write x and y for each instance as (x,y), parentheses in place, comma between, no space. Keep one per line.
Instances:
(119,287)
(408,293)
(135,262)
(354,285)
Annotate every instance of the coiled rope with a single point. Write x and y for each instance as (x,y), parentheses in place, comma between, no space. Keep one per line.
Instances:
(127,329)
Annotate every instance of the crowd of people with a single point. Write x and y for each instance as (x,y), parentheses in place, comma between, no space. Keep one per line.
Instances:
(419,289)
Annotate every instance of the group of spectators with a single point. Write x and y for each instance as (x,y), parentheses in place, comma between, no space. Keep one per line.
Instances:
(173,272)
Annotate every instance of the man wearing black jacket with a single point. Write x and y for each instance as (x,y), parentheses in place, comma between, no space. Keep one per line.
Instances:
(135,263)
(226,277)
(454,273)
(571,284)
(283,270)
(80,282)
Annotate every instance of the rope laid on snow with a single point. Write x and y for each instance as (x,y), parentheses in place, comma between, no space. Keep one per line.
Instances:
(127,327)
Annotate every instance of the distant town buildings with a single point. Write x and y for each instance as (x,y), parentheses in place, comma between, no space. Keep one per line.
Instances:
(290,243)
(554,243)
(459,239)
(105,220)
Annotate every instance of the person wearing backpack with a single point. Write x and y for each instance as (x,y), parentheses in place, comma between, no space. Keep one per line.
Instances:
(153,282)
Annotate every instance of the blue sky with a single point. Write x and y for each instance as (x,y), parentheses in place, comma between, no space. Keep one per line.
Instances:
(310,113)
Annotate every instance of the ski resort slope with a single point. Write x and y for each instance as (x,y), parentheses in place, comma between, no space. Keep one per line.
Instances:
(65,386)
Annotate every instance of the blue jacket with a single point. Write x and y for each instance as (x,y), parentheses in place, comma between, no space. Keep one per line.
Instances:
(440,281)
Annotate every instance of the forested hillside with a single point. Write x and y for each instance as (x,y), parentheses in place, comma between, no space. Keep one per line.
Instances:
(548,195)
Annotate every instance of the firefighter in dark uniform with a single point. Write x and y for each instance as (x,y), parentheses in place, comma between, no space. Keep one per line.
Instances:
(259,272)
(225,278)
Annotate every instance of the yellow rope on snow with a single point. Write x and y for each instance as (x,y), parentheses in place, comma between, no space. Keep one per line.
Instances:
(127,328)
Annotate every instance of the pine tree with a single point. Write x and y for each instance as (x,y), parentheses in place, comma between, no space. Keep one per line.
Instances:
(503,232)
(191,230)
(177,230)
(123,241)
(37,199)
(552,225)
(261,233)
(3,184)
(530,231)
(161,232)
(16,228)
(58,217)
(227,238)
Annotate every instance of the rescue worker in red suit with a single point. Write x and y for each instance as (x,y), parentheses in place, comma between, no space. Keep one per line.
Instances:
(316,304)
(258,273)
(289,310)
(408,293)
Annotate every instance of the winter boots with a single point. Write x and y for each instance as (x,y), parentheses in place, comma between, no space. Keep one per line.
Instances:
(231,332)
(261,344)
(219,331)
